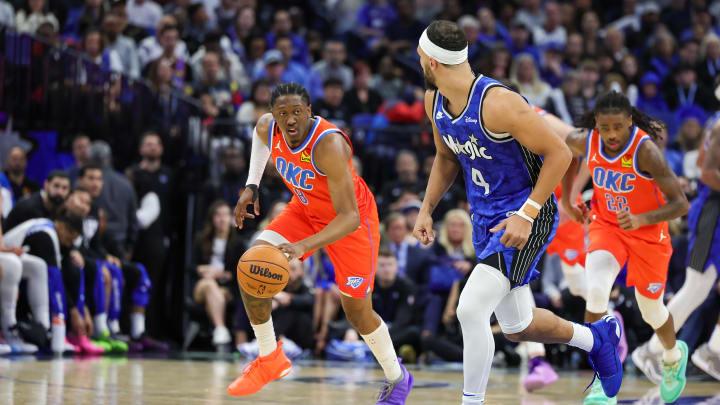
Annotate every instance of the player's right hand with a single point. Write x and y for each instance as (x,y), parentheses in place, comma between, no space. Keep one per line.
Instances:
(241,211)
(423,230)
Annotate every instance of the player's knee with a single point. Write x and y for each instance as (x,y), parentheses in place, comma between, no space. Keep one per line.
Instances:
(465,312)
(597,299)
(516,337)
(654,312)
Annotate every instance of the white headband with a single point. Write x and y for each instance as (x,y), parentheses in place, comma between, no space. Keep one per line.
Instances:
(442,55)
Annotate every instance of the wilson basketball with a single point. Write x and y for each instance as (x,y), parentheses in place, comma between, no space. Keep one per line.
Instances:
(263,271)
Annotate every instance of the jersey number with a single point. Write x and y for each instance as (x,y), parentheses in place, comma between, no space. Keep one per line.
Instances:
(478,179)
(301,196)
(616,203)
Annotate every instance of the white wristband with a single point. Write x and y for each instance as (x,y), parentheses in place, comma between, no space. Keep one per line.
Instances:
(533,204)
(524,216)
(259,155)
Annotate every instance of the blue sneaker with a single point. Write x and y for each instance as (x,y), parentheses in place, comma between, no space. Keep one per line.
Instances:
(604,356)
(396,393)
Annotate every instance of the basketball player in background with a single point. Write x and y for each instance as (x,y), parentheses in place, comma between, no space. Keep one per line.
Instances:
(629,223)
(495,137)
(331,207)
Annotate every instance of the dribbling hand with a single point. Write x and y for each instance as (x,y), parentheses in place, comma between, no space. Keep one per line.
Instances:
(424,229)
(292,250)
(241,211)
(517,231)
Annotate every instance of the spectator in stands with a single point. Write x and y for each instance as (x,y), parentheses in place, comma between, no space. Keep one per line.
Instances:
(7,14)
(471,28)
(373,18)
(524,74)
(241,30)
(531,13)
(122,45)
(685,91)
(144,13)
(333,64)
(212,83)
(650,99)
(674,157)
(394,300)
(573,51)
(550,31)
(232,178)
(664,54)
(361,99)
(331,106)
(119,8)
(151,48)
(689,137)
(589,82)
(590,29)
(407,169)
(32,14)
(81,19)
(276,72)
(293,308)
(689,52)
(403,32)
(118,200)
(497,63)
(258,104)
(492,32)
(197,26)
(520,41)
(282,26)
(231,68)
(222,17)
(631,73)
(709,59)
(387,81)
(412,259)
(216,252)
(168,39)
(15,166)
(310,80)
(41,204)
(93,44)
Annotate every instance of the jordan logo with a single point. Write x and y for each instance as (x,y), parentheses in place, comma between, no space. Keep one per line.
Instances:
(277,146)
(662,236)
(594,158)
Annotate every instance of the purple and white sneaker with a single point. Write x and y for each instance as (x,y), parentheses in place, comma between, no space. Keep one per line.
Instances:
(395,393)
(623,345)
(541,375)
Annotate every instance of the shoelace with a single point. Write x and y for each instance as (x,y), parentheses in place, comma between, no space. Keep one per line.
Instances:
(387,388)
(671,370)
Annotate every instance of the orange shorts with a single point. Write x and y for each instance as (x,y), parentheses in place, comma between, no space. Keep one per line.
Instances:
(569,243)
(647,262)
(354,256)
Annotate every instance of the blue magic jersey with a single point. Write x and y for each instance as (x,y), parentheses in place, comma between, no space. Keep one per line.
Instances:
(499,175)
(704,219)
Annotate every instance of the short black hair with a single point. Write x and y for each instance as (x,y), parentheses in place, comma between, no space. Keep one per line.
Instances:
(447,35)
(287,89)
(73,221)
(332,81)
(149,132)
(169,27)
(57,174)
(86,168)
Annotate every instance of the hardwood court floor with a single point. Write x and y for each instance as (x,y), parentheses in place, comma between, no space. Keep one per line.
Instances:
(115,381)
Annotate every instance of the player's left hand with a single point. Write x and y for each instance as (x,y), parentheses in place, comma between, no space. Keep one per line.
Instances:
(628,221)
(517,231)
(292,250)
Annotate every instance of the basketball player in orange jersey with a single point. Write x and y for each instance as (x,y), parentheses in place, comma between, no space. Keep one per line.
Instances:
(631,181)
(332,207)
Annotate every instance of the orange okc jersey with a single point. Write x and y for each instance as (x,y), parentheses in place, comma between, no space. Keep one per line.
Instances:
(569,240)
(308,183)
(620,185)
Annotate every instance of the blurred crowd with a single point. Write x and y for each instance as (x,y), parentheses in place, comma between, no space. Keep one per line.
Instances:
(359,63)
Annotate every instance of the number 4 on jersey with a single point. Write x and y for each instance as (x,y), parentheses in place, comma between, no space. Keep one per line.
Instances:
(478,179)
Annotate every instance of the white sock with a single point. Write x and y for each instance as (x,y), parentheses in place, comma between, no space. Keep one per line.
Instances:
(114,326)
(535,349)
(137,324)
(11,274)
(100,321)
(472,399)
(381,346)
(672,355)
(714,341)
(582,337)
(654,345)
(265,335)
(58,335)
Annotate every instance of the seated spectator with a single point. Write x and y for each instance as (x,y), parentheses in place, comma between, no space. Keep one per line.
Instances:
(15,166)
(213,83)
(232,179)
(231,68)
(650,99)
(589,81)
(361,99)
(566,101)
(32,15)
(412,260)
(689,52)
(673,157)
(615,44)
(216,252)
(689,137)
(197,26)
(221,17)
(81,19)
(590,30)
(122,45)
(394,300)
(407,169)
(520,41)
(118,8)
(572,57)
(709,66)
(403,32)
(144,13)
(333,64)
(551,30)
(310,79)
(373,18)
(387,80)
(491,32)
(7,14)
(684,90)
(282,26)
(664,57)
(153,47)
(525,76)
(168,39)
(275,71)
(531,14)
(408,108)
(476,48)
(240,31)
(497,63)
(255,47)
(552,70)
(93,45)
(631,73)
(258,104)
(331,106)
(40,204)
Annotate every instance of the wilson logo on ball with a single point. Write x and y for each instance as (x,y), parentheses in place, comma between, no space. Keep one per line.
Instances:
(264,272)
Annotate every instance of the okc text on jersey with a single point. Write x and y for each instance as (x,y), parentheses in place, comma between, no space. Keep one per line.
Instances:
(611,180)
(295,175)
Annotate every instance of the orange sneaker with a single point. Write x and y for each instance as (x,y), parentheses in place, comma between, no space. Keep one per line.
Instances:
(260,372)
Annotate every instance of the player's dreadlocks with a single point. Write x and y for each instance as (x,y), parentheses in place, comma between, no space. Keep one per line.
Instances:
(286,89)
(614,103)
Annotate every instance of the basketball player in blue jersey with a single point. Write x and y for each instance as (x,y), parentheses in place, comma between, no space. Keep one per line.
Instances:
(511,162)
(703,262)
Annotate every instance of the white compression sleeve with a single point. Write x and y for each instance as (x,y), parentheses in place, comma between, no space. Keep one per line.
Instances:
(259,155)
